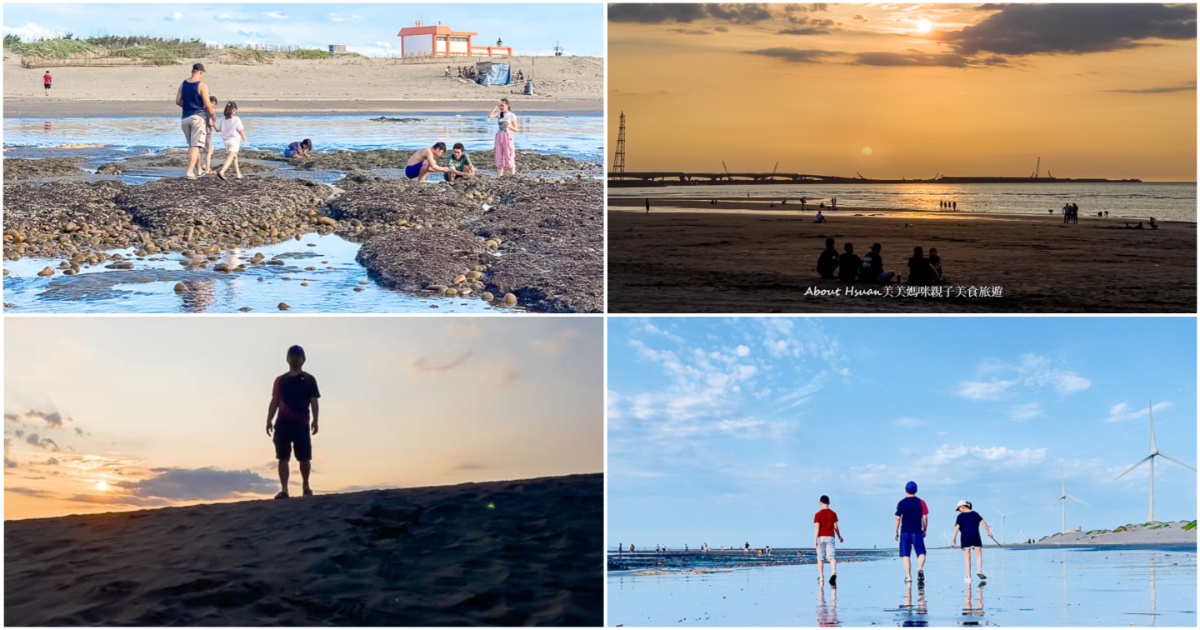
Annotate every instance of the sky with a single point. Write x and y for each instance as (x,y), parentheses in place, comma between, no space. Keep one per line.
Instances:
(368,29)
(171,411)
(1094,90)
(728,431)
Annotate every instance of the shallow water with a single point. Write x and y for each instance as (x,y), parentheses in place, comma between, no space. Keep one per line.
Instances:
(149,286)
(576,136)
(1164,201)
(1025,587)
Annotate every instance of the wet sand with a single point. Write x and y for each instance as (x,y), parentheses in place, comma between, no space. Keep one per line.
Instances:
(749,258)
(52,108)
(1024,587)
(502,553)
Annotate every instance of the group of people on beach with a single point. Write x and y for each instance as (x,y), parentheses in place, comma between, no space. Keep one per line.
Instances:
(1070,212)
(200,123)
(868,269)
(948,205)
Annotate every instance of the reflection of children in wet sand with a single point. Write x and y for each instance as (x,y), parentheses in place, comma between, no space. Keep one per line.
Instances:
(291,396)
(968,523)
(425,160)
(973,610)
(827,613)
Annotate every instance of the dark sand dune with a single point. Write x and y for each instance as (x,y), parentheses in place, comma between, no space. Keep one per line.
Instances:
(417,557)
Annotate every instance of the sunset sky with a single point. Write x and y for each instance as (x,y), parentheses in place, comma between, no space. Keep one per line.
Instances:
(1094,90)
(170,411)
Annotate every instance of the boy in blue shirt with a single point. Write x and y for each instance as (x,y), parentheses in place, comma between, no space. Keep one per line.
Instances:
(911,523)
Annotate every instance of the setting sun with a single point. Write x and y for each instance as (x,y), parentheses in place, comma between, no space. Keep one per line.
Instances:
(924,25)
(102,485)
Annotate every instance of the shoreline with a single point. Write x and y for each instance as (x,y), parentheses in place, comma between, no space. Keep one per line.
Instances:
(33,108)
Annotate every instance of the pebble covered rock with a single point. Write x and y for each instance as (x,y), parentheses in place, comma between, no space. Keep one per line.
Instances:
(425,260)
(64,219)
(20,168)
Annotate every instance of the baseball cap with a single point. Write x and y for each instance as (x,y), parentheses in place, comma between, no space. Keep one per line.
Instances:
(198,67)
(296,350)
(911,487)
(962,504)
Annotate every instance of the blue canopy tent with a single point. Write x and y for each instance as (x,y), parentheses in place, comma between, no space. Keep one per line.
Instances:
(492,73)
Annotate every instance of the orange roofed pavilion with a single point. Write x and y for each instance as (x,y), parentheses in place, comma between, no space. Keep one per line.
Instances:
(443,41)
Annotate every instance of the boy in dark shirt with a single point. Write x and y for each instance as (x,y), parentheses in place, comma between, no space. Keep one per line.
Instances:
(291,396)
(968,523)
(848,264)
(911,523)
(872,267)
(827,264)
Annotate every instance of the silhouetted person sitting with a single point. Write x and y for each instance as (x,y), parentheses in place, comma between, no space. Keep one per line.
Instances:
(820,218)
(1153,223)
(292,395)
(920,272)
(935,261)
(827,264)
(848,264)
(872,267)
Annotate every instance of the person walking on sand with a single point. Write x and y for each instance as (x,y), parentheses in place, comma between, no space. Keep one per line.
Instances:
(192,98)
(968,523)
(209,136)
(293,393)
(231,128)
(647,205)
(823,532)
(911,524)
(47,82)
(506,152)
(424,161)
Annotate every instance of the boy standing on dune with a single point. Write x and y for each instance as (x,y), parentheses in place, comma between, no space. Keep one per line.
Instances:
(292,395)
(823,532)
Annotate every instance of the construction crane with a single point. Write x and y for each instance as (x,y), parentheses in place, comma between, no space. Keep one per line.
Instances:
(726,170)
(1037,170)
(619,160)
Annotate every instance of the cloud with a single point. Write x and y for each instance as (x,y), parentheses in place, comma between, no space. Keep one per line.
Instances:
(690,31)
(795,55)
(251,34)
(29,492)
(737,13)
(428,365)
(34,439)
(804,31)
(1190,86)
(1036,371)
(52,418)
(1027,29)
(555,345)
(910,423)
(859,18)
(275,15)
(1122,412)
(994,454)
(1026,412)
(893,59)
(174,17)
(463,328)
(182,484)
(976,390)
(337,17)
(742,351)
(32,32)
(648,327)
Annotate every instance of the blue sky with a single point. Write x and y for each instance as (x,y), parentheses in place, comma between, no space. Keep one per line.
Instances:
(728,430)
(369,29)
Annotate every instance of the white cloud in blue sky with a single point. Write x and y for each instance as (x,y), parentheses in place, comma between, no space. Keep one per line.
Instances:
(370,29)
(726,429)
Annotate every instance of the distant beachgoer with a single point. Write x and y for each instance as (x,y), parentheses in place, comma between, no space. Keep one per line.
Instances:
(827,263)
(803,202)
(631,548)
(291,396)
(47,82)
(849,264)
(233,133)
(424,162)
(298,149)
(685,548)
(872,267)
(1066,212)
(192,98)
(1153,223)
(1106,214)
(447,75)
(647,205)
(460,163)
(823,532)
(910,531)
(746,549)
(954,206)
(820,218)
(968,523)
(833,203)
(209,137)
(822,206)
(506,152)
(620,548)
(920,271)
(936,262)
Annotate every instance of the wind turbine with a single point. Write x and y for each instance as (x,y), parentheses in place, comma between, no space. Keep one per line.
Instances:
(1064,498)
(1003,529)
(1154,452)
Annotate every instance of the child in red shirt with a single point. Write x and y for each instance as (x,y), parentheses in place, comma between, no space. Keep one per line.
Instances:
(823,532)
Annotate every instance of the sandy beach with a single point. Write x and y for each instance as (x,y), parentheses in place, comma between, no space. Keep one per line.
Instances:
(502,553)
(348,84)
(687,258)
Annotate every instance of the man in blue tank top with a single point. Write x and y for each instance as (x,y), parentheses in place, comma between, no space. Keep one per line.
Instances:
(192,97)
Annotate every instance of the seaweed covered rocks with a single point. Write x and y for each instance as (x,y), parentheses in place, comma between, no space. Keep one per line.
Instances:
(16,169)
(148,163)
(389,204)
(207,211)
(396,159)
(64,218)
(431,259)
